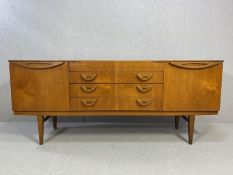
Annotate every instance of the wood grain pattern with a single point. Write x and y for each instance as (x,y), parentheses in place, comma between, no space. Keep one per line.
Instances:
(192,90)
(40,89)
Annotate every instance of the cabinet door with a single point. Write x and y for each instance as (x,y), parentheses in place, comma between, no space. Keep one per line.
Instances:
(39,86)
(192,86)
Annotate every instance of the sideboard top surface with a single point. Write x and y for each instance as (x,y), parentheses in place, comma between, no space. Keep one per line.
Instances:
(120,60)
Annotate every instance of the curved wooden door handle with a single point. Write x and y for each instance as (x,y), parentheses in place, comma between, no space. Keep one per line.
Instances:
(194,65)
(144,76)
(88,102)
(88,88)
(39,64)
(88,76)
(144,88)
(144,102)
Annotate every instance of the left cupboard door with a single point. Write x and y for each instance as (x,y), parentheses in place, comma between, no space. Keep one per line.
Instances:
(39,86)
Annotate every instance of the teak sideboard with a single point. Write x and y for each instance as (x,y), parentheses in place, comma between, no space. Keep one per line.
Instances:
(182,89)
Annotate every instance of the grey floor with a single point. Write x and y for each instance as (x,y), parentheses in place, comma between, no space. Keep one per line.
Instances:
(115,149)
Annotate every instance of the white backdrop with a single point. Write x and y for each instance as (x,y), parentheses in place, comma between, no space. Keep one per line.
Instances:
(117,29)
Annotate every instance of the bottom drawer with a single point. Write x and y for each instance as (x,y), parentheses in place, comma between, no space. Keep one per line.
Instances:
(77,104)
(116,103)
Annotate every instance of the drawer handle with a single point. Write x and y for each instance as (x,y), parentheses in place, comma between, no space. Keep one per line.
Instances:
(89,102)
(88,77)
(144,77)
(144,102)
(88,89)
(194,65)
(143,89)
(39,64)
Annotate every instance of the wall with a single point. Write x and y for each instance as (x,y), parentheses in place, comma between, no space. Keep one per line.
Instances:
(117,29)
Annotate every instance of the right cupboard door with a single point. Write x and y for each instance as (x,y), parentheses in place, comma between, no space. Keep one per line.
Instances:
(192,86)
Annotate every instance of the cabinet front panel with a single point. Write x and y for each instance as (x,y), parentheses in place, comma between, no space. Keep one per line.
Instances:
(192,86)
(40,86)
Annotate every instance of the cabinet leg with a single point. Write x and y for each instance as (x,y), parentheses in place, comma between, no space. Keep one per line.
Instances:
(40,122)
(191,121)
(177,119)
(54,122)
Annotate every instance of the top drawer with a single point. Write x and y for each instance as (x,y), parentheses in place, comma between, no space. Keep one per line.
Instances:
(115,66)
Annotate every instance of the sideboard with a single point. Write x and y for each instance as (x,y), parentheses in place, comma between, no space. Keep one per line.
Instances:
(182,89)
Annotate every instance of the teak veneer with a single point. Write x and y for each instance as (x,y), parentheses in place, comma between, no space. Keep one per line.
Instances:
(182,89)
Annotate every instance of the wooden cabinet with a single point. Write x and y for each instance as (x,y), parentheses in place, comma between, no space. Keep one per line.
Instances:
(181,89)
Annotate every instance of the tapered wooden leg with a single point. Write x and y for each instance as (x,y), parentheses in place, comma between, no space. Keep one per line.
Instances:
(54,122)
(191,121)
(40,122)
(177,119)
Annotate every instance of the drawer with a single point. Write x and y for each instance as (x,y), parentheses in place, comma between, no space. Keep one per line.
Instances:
(140,103)
(116,77)
(95,90)
(102,103)
(116,103)
(92,90)
(132,66)
(140,90)
(92,65)
(139,77)
(115,66)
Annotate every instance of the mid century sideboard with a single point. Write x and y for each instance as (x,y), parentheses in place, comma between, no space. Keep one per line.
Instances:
(182,89)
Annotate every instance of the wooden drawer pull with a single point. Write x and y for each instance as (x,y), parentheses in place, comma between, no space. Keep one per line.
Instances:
(194,65)
(143,88)
(88,89)
(39,64)
(144,77)
(144,102)
(88,77)
(89,102)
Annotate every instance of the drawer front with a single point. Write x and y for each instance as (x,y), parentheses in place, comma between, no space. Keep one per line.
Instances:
(140,90)
(115,66)
(92,90)
(121,90)
(102,103)
(116,103)
(92,65)
(116,77)
(140,103)
(139,77)
(139,66)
